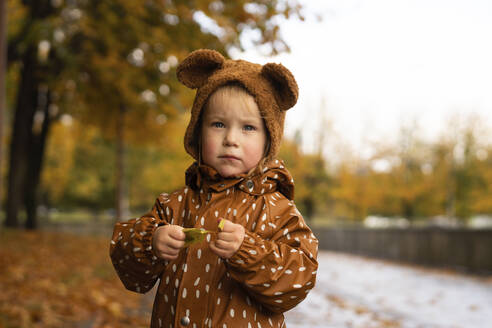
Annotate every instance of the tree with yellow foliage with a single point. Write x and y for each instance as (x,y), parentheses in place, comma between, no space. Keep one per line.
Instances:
(111,63)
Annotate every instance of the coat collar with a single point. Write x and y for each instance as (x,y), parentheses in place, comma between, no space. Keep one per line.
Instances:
(273,177)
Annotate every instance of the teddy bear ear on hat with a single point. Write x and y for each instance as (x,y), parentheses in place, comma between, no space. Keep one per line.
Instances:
(195,69)
(284,84)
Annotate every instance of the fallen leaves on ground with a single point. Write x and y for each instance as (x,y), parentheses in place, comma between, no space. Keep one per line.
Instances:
(61,280)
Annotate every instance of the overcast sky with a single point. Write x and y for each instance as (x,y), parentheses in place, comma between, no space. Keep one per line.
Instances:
(378,64)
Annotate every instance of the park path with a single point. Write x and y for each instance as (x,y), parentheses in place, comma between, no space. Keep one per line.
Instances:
(353,291)
(358,292)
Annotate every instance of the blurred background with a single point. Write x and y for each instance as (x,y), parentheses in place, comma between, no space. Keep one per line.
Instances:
(390,143)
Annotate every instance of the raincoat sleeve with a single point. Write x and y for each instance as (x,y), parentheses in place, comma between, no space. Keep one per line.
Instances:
(280,269)
(131,249)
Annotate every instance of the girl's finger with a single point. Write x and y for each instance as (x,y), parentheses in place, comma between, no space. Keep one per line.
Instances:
(167,256)
(228,226)
(222,244)
(170,251)
(177,234)
(176,244)
(225,236)
(217,250)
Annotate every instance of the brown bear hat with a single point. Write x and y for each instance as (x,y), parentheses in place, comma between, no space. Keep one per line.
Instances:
(272,85)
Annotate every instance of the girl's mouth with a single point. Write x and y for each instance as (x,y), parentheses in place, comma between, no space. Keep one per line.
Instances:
(229,157)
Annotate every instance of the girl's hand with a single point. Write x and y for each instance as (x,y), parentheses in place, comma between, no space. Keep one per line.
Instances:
(168,241)
(228,240)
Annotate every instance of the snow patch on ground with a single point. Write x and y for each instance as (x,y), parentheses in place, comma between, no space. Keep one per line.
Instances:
(357,292)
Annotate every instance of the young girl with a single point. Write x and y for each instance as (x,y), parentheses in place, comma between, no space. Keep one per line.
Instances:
(261,262)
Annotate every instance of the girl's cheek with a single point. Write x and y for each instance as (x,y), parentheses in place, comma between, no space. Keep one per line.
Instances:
(206,149)
(255,150)
(209,146)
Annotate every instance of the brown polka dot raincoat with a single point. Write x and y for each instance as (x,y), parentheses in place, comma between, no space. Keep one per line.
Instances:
(272,271)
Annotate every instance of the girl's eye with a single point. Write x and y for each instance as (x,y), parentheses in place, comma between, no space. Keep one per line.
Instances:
(218,124)
(249,128)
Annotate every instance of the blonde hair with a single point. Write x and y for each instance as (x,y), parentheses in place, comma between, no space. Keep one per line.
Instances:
(237,91)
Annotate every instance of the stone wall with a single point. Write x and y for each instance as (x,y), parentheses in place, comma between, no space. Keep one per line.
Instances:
(462,249)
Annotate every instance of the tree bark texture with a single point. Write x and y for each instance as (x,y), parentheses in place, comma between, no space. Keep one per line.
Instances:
(28,138)
(36,156)
(27,144)
(3,73)
(121,200)
(21,137)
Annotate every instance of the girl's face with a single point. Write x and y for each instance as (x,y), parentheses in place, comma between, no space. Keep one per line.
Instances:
(233,134)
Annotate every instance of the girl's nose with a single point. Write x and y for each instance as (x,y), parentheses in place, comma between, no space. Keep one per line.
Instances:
(230,138)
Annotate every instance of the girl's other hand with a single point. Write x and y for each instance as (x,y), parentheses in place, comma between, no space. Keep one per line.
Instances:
(168,241)
(228,240)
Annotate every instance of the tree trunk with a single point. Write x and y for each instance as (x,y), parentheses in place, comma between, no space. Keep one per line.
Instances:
(308,208)
(21,137)
(121,200)
(37,146)
(408,210)
(3,70)
(26,148)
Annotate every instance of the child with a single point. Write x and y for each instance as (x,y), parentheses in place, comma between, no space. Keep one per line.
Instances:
(261,262)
